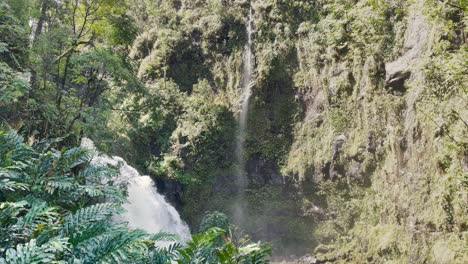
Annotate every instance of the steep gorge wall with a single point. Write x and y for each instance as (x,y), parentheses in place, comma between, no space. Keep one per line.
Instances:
(378,140)
(190,56)
(357,143)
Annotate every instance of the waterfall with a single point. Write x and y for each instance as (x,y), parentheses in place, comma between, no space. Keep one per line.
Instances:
(246,86)
(146,208)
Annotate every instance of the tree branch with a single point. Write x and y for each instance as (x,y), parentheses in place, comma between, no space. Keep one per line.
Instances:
(72,48)
(452,4)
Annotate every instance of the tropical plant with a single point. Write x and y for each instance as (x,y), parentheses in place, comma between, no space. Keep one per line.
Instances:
(204,249)
(56,207)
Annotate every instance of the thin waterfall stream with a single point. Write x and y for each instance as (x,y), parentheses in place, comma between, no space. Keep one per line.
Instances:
(247,81)
(146,208)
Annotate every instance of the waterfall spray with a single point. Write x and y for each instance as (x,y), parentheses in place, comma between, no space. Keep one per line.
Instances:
(246,86)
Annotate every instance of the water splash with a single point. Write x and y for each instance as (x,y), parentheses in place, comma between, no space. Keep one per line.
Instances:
(246,86)
(146,208)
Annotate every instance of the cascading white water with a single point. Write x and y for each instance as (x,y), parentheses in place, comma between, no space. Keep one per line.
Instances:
(246,86)
(247,81)
(146,208)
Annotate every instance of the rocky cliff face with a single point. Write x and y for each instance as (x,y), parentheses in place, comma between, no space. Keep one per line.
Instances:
(357,147)
(378,139)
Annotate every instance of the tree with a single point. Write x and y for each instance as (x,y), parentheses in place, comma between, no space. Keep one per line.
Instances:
(13,58)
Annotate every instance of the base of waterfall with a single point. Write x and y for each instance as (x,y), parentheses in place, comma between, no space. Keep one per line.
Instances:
(146,209)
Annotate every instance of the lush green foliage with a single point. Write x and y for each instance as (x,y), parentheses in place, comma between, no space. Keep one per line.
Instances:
(52,207)
(55,206)
(383,196)
(337,159)
(56,56)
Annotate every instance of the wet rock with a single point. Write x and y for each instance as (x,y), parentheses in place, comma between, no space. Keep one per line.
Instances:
(337,145)
(416,38)
(336,169)
(354,170)
(372,68)
(371,142)
(341,80)
(314,106)
(261,171)
(312,210)
(322,249)
(308,259)
(172,190)
(396,79)
(223,184)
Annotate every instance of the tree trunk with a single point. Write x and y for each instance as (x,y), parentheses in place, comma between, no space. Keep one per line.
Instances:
(42,18)
(37,32)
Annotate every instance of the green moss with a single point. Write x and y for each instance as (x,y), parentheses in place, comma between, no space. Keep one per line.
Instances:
(388,136)
(320,74)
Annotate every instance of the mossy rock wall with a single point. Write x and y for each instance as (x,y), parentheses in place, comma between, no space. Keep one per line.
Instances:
(356,148)
(372,138)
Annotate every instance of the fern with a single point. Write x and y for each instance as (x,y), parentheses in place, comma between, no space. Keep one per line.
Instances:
(164,236)
(92,190)
(254,253)
(9,211)
(9,185)
(58,184)
(86,232)
(12,149)
(50,214)
(9,214)
(200,249)
(45,144)
(38,214)
(72,158)
(8,141)
(47,163)
(29,253)
(96,172)
(114,193)
(115,246)
(88,215)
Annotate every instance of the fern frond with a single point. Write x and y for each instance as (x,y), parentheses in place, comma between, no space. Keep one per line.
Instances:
(255,253)
(22,221)
(10,140)
(44,145)
(98,173)
(115,246)
(38,214)
(115,194)
(164,236)
(88,231)
(12,149)
(201,248)
(55,184)
(88,214)
(11,186)
(91,190)
(72,158)
(29,253)
(47,162)
(10,211)
(164,255)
